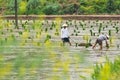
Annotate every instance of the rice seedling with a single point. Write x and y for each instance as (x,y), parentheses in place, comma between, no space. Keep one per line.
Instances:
(109,32)
(87,40)
(76,34)
(91,32)
(35,50)
(99,30)
(107,71)
(117,29)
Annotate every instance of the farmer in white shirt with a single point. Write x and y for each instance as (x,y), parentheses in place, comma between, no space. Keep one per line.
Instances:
(100,39)
(65,34)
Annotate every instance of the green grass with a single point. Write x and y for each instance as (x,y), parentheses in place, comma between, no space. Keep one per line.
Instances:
(107,71)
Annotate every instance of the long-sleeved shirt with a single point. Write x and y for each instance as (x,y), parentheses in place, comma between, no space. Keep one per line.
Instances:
(102,37)
(64,33)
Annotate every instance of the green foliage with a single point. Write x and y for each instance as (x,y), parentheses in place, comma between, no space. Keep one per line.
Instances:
(33,6)
(110,6)
(48,37)
(100,6)
(109,32)
(54,7)
(51,9)
(70,8)
(108,71)
(22,7)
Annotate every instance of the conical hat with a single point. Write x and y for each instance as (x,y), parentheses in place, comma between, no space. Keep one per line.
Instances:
(64,25)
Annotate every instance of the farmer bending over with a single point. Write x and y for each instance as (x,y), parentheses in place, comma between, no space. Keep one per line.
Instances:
(65,34)
(100,39)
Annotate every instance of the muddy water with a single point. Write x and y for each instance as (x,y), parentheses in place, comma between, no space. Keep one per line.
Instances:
(55,62)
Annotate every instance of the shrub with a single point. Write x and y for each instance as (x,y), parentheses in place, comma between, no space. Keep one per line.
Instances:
(51,9)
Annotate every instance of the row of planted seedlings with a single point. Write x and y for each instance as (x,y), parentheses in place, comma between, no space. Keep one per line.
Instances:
(41,38)
(87,39)
(27,52)
(10,66)
(95,28)
(108,70)
(59,69)
(26,62)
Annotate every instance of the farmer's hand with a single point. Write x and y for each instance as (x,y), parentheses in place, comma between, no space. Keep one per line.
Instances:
(107,45)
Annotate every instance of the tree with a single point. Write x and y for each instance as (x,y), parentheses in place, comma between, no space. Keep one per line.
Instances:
(51,9)
(60,7)
(33,6)
(99,6)
(16,13)
(117,7)
(3,6)
(110,6)
(22,7)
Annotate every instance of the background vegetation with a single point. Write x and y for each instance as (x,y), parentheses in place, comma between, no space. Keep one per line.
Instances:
(60,7)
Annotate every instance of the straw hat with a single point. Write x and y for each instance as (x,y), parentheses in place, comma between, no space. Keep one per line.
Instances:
(64,25)
(107,36)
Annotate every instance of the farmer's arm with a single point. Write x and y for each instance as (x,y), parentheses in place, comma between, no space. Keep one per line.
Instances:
(107,45)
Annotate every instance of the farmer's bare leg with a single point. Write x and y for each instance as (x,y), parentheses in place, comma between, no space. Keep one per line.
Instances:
(101,46)
(94,45)
(63,43)
(69,43)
